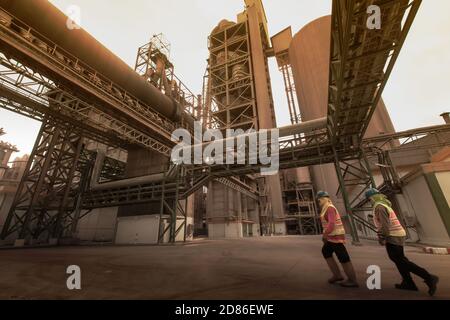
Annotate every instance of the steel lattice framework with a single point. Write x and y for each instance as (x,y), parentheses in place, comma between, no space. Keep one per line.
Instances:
(31,94)
(147,65)
(40,205)
(231,89)
(68,72)
(42,81)
(361,61)
(294,152)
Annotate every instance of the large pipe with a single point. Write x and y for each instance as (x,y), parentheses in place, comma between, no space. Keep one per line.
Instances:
(305,127)
(283,132)
(159,177)
(96,172)
(50,22)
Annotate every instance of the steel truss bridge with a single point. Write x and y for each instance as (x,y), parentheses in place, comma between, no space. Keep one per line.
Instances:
(76,104)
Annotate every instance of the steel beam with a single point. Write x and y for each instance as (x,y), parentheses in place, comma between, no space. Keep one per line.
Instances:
(27,45)
(361,61)
(40,207)
(29,93)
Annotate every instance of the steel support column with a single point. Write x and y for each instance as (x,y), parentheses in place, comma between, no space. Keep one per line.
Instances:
(355,178)
(41,205)
(172,207)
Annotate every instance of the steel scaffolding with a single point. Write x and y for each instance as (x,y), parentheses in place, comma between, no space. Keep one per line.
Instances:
(40,80)
(40,210)
(230,80)
(153,63)
(361,61)
(301,207)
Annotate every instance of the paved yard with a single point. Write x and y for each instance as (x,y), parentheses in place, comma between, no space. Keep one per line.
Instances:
(265,268)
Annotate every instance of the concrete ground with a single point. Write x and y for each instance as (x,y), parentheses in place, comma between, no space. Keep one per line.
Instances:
(264,268)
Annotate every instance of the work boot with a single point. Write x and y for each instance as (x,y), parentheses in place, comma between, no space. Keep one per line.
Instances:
(351,281)
(407,286)
(432,285)
(337,276)
(335,279)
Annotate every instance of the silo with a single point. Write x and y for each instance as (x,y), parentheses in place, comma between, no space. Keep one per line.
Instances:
(309,54)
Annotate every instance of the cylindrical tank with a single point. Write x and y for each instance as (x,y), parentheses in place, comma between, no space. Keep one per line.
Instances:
(310,58)
(50,22)
(297,175)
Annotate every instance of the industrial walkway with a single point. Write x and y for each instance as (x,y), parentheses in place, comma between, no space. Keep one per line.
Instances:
(266,268)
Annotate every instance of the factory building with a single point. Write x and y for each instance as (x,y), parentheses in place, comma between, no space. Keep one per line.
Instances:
(101,169)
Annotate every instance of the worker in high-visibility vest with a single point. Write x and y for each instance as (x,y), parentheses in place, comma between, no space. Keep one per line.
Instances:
(334,243)
(392,235)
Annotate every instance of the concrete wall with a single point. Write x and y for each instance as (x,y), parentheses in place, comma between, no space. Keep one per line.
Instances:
(406,211)
(98,226)
(144,230)
(444,182)
(231,230)
(420,203)
(280,228)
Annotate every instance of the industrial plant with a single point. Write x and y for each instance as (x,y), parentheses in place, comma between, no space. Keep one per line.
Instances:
(101,173)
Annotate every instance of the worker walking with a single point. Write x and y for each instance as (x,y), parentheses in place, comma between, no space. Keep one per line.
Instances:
(334,243)
(392,235)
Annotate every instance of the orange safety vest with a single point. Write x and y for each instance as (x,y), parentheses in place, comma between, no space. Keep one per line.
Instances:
(395,227)
(338,226)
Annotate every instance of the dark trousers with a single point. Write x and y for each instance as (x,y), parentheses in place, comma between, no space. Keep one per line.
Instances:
(404,266)
(337,248)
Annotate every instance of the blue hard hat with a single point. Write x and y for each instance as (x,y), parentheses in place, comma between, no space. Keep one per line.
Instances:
(372,192)
(322,194)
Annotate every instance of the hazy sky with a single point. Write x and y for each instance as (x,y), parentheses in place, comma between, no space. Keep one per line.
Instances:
(417,93)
